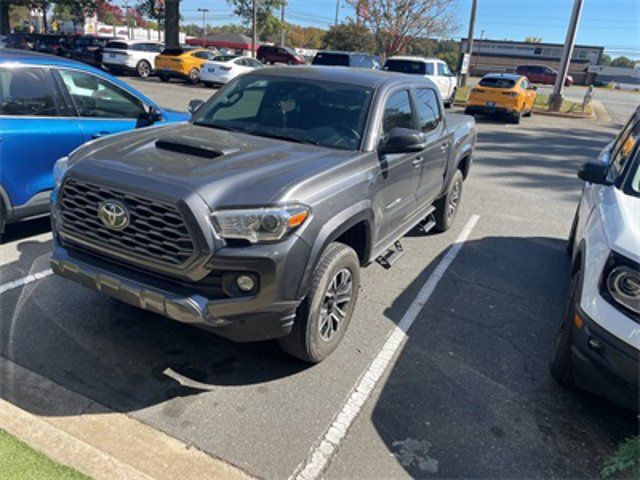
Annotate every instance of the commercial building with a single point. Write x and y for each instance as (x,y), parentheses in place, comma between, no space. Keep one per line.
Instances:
(505,55)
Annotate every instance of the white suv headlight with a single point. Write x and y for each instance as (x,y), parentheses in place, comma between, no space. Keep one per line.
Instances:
(259,225)
(59,169)
(621,284)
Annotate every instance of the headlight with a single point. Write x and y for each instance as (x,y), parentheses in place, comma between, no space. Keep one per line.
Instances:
(259,224)
(621,284)
(59,170)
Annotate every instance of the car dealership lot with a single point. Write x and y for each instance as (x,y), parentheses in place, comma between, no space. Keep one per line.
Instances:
(468,395)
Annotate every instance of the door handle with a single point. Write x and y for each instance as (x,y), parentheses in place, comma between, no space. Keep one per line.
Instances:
(417,161)
(444,146)
(99,134)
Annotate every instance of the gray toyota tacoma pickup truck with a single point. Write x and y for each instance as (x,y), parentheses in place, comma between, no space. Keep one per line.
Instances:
(253,219)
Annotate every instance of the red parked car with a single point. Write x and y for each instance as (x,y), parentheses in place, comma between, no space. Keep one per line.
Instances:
(542,74)
(275,54)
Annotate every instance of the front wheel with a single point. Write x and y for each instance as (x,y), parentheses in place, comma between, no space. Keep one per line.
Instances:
(447,206)
(323,317)
(163,77)
(562,363)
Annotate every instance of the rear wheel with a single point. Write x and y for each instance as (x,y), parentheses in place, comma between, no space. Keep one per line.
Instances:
(143,68)
(447,206)
(323,317)
(562,363)
(515,117)
(452,98)
(163,77)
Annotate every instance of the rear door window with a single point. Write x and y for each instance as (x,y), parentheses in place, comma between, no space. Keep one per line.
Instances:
(428,109)
(397,112)
(27,92)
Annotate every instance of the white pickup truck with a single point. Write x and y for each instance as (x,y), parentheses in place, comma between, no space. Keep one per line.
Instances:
(434,69)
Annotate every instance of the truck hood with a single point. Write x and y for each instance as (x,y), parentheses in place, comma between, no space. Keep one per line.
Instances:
(223,168)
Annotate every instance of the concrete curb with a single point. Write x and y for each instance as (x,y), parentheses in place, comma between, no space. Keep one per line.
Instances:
(96,441)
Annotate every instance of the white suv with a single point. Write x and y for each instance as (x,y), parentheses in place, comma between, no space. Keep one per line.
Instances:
(432,68)
(132,56)
(599,341)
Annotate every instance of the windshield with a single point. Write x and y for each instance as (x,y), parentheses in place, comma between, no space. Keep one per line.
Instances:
(334,59)
(406,66)
(497,82)
(635,177)
(224,58)
(322,113)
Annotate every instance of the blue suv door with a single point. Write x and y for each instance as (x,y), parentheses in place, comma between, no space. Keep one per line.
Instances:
(34,133)
(102,107)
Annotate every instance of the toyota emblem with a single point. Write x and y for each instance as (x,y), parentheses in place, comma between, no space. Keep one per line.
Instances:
(113,214)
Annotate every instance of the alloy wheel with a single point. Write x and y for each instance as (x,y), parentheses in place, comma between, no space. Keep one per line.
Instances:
(335,304)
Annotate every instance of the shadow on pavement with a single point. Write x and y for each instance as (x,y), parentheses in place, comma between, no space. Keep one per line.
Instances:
(472,386)
(26,228)
(112,353)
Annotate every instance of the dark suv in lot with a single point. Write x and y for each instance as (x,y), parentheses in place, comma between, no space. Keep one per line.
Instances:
(89,49)
(346,59)
(253,219)
(274,54)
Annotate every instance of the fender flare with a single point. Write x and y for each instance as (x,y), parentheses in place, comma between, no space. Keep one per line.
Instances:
(336,226)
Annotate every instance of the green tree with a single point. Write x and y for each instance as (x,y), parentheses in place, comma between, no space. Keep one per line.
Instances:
(268,25)
(351,37)
(305,37)
(623,62)
(533,40)
(605,60)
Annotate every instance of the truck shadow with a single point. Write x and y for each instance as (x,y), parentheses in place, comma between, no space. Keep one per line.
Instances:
(470,395)
(117,355)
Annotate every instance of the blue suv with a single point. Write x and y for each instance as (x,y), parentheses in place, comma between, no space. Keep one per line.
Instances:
(48,107)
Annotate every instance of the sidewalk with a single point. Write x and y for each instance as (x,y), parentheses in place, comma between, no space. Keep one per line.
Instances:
(96,441)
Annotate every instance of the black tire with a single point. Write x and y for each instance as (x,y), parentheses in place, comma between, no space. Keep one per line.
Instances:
(572,234)
(516,117)
(208,84)
(529,113)
(263,60)
(163,77)
(562,362)
(452,98)
(308,340)
(3,219)
(143,69)
(448,205)
(194,76)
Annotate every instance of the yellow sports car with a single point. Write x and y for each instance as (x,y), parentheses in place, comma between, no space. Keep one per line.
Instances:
(502,94)
(182,63)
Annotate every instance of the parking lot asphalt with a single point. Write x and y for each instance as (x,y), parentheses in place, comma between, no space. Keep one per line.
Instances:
(468,395)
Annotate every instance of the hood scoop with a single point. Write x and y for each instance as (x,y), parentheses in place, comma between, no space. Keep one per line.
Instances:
(192,146)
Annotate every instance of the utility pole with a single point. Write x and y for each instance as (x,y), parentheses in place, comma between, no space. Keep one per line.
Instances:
(204,13)
(472,21)
(555,99)
(337,12)
(254,27)
(282,31)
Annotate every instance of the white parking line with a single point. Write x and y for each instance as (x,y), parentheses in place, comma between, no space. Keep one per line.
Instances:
(21,282)
(322,455)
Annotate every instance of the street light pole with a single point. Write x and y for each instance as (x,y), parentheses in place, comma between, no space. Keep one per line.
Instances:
(282,32)
(472,22)
(555,99)
(254,39)
(337,11)
(204,13)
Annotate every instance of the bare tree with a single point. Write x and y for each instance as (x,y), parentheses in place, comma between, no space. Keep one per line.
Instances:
(395,22)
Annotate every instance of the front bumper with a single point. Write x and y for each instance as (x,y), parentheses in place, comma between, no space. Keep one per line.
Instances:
(605,364)
(241,319)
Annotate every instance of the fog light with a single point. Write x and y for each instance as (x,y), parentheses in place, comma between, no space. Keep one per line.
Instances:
(245,283)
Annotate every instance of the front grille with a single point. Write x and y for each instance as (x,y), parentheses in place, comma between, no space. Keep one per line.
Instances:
(156,232)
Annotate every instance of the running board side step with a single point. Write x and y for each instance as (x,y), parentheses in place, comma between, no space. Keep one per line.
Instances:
(388,259)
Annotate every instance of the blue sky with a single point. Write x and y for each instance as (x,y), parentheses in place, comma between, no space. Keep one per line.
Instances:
(612,23)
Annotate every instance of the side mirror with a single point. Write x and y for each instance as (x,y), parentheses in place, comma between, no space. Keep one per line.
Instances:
(594,172)
(148,117)
(194,105)
(403,140)
(533,87)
